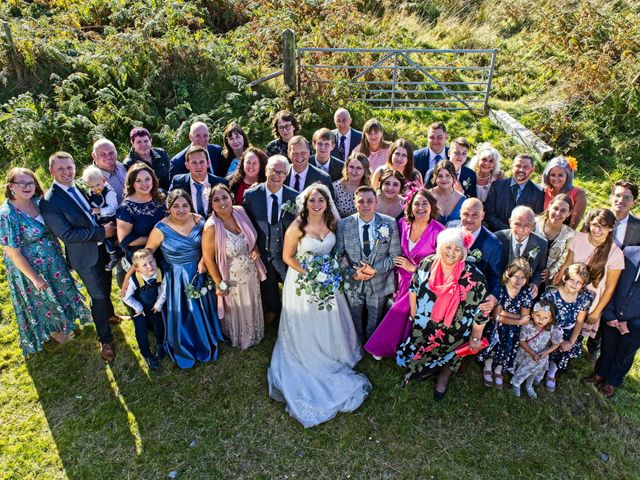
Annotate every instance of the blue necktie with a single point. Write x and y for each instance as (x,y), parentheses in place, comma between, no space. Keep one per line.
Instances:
(274,209)
(366,244)
(199,204)
(74,193)
(515,191)
(296,184)
(342,148)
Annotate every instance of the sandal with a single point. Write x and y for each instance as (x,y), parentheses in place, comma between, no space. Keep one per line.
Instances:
(487,375)
(550,384)
(498,380)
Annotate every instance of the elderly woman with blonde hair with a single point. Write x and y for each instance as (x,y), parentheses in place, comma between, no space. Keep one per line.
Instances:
(445,292)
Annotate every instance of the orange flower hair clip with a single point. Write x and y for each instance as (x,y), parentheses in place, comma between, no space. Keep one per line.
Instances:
(572,162)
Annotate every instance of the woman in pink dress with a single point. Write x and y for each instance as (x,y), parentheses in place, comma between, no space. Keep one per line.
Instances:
(418,233)
(373,145)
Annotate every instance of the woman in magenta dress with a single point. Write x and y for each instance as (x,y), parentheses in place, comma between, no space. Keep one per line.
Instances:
(418,233)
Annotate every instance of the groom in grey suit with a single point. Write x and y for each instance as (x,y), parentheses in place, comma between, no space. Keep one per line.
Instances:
(368,242)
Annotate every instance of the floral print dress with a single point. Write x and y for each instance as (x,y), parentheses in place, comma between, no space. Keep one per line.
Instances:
(566,316)
(505,338)
(538,341)
(432,344)
(39,313)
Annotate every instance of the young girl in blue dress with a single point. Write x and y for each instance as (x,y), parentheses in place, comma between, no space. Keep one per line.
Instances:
(511,312)
(572,301)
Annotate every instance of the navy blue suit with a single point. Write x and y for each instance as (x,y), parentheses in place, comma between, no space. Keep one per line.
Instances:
(537,261)
(216,166)
(468,179)
(618,351)
(423,163)
(632,235)
(314,174)
(183,181)
(491,262)
(356,139)
(81,236)
(501,202)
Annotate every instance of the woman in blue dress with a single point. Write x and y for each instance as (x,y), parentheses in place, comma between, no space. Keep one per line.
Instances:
(45,297)
(449,200)
(191,324)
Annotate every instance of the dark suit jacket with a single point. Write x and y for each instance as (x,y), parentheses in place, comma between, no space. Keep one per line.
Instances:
(537,261)
(501,201)
(423,163)
(491,263)
(356,138)
(73,226)
(217,166)
(625,303)
(159,165)
(255,204)
(182,181)
(632,235)
(335,167)
(468,180)
(313,175)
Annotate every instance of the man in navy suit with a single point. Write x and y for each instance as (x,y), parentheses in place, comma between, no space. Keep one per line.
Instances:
(458,151)
(67,213)
(302,174)
(346,138)
(198,181)
(271,208)
(490,262)
(504,195)
(519,241)
(424,159)
(199,136)
(624,197)
(323,143)
(620,327)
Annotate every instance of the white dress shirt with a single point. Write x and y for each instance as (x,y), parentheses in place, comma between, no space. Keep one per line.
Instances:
(432,157)
(372,233)
(303,178)
(620,231)
(514,244)
(270,203)
(206,190)
(131,301)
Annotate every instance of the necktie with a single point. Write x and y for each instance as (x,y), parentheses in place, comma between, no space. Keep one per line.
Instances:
(199,203)
(151,282)
(274,209)
(515,191)
(296,184)
(74,193)
(366,244)
(518,250)
(342,148)
(437,158)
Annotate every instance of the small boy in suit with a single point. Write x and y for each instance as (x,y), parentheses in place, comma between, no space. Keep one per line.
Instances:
(146,293)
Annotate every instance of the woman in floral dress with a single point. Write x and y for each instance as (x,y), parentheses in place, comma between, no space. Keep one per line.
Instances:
(45,297)
(445,293)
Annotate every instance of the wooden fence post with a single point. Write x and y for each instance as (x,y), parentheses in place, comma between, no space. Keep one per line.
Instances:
(13,52)
(289,59)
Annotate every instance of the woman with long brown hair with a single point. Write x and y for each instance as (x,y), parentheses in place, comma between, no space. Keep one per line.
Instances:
(400,159)
(373,144)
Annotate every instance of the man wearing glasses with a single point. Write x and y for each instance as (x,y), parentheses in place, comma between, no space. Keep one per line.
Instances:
(271,208)
(624,198)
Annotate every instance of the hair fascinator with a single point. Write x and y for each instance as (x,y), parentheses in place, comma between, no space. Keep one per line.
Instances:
(537,308)
(467,240)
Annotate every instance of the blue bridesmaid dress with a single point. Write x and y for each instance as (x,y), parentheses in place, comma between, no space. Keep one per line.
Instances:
(191,325)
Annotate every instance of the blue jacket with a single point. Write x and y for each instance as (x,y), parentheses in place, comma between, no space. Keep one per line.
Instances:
(625,303)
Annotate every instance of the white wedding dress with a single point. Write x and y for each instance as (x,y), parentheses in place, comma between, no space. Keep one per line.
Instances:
(311,365)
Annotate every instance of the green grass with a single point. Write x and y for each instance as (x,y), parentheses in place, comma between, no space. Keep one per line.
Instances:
(68,415)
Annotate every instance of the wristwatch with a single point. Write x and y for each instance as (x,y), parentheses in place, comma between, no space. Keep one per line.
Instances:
(223,286)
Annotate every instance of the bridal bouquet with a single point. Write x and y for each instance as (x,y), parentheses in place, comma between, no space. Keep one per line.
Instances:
(324,278)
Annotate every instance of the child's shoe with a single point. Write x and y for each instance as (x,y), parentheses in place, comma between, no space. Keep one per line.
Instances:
(113,261)
(516,390)
(153,362)
(531,392)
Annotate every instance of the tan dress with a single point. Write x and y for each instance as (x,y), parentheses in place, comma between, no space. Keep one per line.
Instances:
(243,322)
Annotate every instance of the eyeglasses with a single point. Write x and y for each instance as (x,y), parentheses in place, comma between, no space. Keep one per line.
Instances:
(622,196)
(597,226)
(283,128)
(280,173)
(22,184)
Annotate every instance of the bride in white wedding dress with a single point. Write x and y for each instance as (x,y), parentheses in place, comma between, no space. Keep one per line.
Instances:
(311,366)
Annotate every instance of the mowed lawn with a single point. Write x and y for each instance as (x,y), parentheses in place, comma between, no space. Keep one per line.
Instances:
(65,414)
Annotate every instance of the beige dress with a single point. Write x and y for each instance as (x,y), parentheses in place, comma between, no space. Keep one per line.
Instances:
(243,323)
(558,248)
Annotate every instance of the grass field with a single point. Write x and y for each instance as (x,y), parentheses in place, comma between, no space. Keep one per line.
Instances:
(66,414)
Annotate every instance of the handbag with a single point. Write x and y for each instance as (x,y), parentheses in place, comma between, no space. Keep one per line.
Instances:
(464,350)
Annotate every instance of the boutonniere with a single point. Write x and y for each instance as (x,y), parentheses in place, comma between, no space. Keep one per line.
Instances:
(533,253)
(289,207)
(383,232)
(474,255)
(466,183)
(80,185)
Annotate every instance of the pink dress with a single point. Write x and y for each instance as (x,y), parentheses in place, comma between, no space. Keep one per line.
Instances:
(376,159)
(582,251)
(394,327)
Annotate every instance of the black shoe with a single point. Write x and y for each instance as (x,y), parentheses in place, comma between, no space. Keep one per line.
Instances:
(113,261)
(153,363)
(160,352)
(437,396)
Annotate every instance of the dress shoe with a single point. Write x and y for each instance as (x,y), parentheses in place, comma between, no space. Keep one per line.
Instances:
(108,352)
(153,362)
(160,352)
(115,319)
(594,379)
(269,318)
(608,390)
(437,396)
